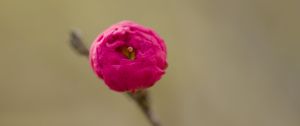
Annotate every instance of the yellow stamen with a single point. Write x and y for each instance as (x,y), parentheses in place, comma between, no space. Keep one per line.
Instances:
(129,52)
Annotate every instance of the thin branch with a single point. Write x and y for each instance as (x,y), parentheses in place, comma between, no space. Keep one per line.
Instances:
(141,97)
(77,43)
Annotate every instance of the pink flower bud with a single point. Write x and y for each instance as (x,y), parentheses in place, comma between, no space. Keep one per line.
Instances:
(128,57)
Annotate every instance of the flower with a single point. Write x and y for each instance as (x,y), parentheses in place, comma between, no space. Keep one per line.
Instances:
(128,57)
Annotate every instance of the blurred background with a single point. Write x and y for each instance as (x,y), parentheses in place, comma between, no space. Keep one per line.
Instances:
(231,63)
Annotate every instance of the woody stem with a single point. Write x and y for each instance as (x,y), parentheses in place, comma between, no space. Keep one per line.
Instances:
(141,97)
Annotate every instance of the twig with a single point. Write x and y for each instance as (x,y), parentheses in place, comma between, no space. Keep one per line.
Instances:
(77,43)
(141,97)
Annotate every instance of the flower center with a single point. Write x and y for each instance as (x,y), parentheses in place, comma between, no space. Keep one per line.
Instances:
(129,52)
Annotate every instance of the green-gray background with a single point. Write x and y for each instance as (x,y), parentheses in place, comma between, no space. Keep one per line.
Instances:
(231,63)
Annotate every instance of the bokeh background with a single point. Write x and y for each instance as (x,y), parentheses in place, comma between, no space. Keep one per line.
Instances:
(231,63)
